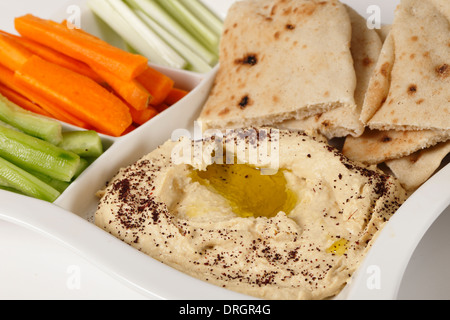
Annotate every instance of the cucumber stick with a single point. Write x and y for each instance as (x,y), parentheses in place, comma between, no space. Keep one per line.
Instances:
(35,125)
(59,185)
(86,144)
(14,178)
(30,153)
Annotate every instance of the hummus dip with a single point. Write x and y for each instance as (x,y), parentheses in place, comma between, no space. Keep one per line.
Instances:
(297,233)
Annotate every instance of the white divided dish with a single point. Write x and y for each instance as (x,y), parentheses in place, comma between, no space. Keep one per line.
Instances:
(70,219)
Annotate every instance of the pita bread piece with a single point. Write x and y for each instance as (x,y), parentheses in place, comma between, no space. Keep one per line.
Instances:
(366,46)
(416,169)
(384,31)
(375,147)
(281,59)
(410,89)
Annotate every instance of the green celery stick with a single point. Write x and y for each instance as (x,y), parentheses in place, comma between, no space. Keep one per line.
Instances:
(86,144)
(195,62)
(190,22)
(14,178)
(128,26)
(154,11)
(30,153)
(33,124)
(203,13)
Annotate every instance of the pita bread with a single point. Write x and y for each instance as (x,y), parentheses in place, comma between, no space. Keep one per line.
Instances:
(384,31)
(416,169)
(409,90)
(375,147)
(279,60)
(343,121)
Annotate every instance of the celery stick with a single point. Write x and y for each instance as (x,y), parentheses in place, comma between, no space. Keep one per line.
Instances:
(153,10)
(196,63)
(134,31)
(35,125)
(189,21)
(13,177)
(31,153)
(83,143)
(203,13)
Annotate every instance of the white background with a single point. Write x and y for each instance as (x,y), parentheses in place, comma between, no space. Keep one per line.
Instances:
(34,267)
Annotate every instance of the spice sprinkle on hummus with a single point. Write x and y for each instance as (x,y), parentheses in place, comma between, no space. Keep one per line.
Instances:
(314,221)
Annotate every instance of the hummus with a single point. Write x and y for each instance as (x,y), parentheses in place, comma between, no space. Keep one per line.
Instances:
(297,233)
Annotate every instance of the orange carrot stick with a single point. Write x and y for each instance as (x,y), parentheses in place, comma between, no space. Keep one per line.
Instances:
(54,56)
(158,84)
(68,25)
(94,52)
(12,54)
(77,94)
(21,101)
(162,107)
(130,91)
(175,95)
(140,117)
(7,78)
(129,129)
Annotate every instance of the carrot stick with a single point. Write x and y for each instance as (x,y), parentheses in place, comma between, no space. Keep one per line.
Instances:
(175,95)
(131,128)
(8,79)
(140,117)
(54,56)
(162,107)
(158,84)
(77,94)
(94,52)
(12,54)
(67,25)
(130,91)
(21,101)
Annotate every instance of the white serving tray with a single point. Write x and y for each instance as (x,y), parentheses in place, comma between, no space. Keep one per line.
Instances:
(70,220)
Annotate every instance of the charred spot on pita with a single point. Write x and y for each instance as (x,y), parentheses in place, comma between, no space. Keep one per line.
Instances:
(290,27)
(412,89)
(443,71)
(386,139)
(244,102)
(250,59)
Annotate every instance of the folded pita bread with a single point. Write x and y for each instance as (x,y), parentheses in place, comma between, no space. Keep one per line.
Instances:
(416,169)
(409,90)
(343,121)
(279,60)
(384,31)
(375,147)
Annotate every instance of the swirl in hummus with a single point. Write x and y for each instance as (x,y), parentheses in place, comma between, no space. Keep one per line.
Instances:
(316,219)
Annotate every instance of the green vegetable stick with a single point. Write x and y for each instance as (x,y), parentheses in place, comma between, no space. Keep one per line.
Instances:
(35,125)
(15,178)
(87,144)
(203,13)
(154,11)
(30,153)
(190,22)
